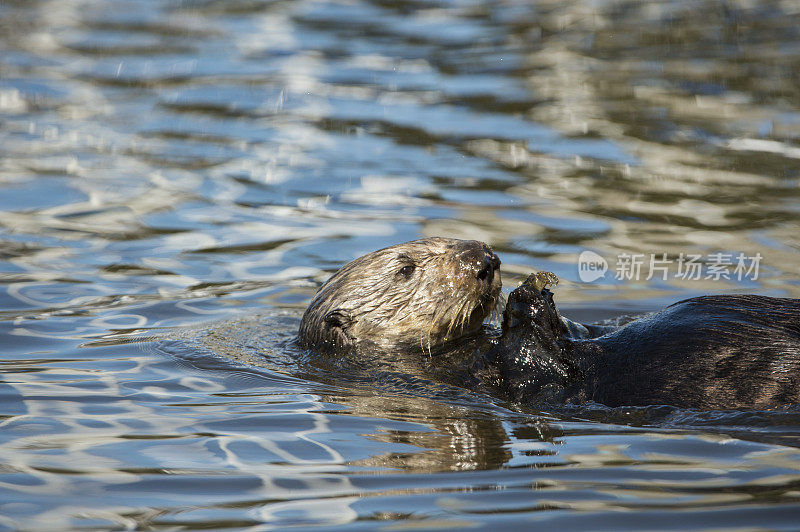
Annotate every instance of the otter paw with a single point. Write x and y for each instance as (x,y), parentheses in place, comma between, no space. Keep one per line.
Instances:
(541,280)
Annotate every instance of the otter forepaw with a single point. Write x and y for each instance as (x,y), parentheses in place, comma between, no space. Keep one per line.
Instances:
(541,280)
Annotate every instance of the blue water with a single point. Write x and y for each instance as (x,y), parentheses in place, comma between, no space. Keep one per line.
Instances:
(178,177)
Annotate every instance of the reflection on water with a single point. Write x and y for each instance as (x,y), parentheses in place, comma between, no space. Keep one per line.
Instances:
(167,165)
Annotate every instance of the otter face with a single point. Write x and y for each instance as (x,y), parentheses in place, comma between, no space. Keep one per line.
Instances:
(420,293)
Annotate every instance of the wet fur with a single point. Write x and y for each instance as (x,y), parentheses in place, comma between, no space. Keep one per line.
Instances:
(374,301)
(710,352)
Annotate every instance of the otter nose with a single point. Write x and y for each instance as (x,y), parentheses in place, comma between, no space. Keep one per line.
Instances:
(491,263)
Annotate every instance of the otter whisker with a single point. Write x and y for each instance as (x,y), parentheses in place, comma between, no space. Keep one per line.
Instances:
(496,314)
(464,314)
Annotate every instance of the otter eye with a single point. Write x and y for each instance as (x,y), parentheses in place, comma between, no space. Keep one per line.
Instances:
(406,271)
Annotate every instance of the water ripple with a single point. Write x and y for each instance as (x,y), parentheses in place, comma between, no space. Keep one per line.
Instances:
(177,178)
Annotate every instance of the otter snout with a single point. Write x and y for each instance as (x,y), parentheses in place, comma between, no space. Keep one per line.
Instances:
(491,263)
(478,257)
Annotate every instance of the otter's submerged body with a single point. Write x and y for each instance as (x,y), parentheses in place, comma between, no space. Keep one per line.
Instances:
(429,295)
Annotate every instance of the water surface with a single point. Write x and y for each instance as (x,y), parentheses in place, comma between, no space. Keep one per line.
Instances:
(178,177)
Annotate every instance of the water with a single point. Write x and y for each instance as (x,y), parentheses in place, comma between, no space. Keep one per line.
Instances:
(177,178)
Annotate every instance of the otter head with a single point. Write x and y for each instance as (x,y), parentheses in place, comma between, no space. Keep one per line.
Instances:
(420,293)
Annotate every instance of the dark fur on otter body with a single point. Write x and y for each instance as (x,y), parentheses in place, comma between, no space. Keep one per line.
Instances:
(710,352)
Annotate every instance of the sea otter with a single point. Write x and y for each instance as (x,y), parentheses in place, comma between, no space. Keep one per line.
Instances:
(426,296)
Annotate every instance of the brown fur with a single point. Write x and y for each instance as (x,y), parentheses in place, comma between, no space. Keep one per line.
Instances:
(417,294)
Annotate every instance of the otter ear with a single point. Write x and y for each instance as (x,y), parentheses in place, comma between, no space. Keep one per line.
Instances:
(338,318)
(338,321)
